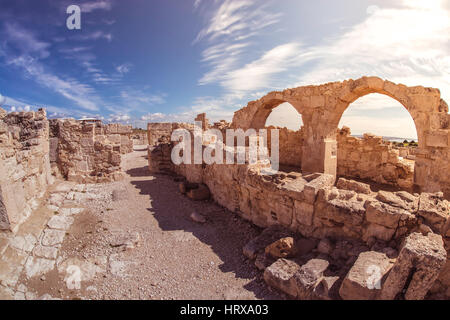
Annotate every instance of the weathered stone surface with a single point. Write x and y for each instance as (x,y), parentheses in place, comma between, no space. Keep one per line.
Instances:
(421,256)
(304,246)
(327,288)
(435,210)
(126,241)
(25,169)
(282,248)
(60,222)
(365,278)
(38,266)
(308,277)
(53,237)
(200,193)
(86,153)
(354,186)
(280,275)
(325,246)
(45,252)
(384,215)
(267,237)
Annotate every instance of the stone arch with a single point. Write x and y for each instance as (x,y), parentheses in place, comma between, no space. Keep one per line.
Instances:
(322,106)
(398,93)
(255,114)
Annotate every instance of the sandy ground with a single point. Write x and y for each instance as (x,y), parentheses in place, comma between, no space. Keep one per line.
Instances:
(136,240)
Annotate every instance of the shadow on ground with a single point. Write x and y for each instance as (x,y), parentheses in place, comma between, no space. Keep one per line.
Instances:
(224,231)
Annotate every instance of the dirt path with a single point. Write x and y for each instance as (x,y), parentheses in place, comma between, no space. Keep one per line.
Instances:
(135,240)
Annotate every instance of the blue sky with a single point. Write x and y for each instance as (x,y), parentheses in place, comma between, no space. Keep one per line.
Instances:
(167,60)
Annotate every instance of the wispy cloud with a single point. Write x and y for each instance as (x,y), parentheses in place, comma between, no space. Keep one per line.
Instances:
(96,5)
(153,116)
(96,35)
(390,43)
(124,68)
(26,52)
(228,35)
(141,99)
(25,41)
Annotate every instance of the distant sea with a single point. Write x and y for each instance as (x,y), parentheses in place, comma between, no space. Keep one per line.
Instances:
(393,139)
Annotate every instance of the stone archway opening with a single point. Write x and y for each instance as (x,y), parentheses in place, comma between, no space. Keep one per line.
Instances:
(289,122)
(377,141)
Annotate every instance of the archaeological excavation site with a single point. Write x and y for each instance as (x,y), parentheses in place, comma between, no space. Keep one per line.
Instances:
(101,211)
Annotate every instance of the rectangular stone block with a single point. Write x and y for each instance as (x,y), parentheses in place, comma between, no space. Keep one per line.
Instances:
(365,278)
(280,275)
(303,212)
(421,259)
(437,139)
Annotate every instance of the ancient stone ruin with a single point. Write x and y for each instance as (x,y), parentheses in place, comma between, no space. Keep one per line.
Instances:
(34,151)
(343,217)
(349,218)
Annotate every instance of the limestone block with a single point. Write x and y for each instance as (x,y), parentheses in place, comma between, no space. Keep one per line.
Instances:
(45,252)
(383,214)
(303,212)
(280,275)
(268,236)
(308,277)
(437,139)
(366,277)
(434,209)
(325,246)
(378,231)
(424,257)
(200,193)
(38,266)
(60,222)
(337,207)
(53,237)
(282,248)
(358,187)
(326,288)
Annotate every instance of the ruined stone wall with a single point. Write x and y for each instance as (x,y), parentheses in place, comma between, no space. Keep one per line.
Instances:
(24,165)
(139,138)
(290,147)
(83,156)
(373,159)
(315,206)
(322,106)
(158,131)
(118,135)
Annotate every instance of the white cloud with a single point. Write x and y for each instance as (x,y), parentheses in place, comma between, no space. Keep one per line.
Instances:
(124,68)
(119,118)
(407,44)
(285,115)
(139,99)
(197,3)
(258,74)
(153,116)
(2,100)
(25,41)
(229,32)
(96,35)
(96,5)
(73,90)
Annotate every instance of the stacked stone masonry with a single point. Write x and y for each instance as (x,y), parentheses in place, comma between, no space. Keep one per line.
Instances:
(87,152)
(24,165)
(322,107)
(317,205)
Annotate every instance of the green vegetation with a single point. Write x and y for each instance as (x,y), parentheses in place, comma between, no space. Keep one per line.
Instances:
(405,143)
